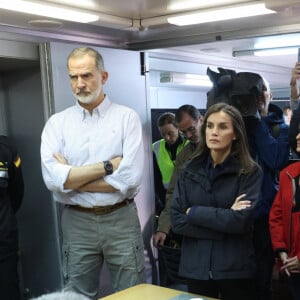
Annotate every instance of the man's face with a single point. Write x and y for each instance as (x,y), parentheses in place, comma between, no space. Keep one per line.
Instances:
(190,128)
(263,101)
(86,80)
(169,133)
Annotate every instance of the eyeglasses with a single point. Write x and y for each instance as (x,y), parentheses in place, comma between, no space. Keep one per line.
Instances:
(191,130)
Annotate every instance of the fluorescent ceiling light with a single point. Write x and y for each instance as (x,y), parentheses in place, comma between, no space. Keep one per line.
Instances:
(286,40)
(276,51)
(190,4)
(227,13)
(185,79)
(267,51)
(47,10)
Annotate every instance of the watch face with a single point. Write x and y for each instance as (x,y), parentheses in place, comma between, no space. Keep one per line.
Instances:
(108,167)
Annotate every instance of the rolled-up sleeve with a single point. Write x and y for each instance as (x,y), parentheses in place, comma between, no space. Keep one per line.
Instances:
(54,174)
(128,176)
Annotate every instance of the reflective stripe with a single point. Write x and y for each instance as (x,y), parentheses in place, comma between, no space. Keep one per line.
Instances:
(17,162)
(3,174)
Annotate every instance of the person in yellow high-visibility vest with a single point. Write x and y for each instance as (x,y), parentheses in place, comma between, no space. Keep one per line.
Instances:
(165,151)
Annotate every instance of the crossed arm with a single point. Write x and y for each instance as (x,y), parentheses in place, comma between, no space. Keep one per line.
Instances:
(88,178)
(240,203)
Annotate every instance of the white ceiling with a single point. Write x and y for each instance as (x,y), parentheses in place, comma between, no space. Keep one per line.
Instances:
(142,25)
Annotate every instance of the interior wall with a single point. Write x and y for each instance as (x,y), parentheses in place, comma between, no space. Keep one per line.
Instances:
(23,117)
(168,97)
(3,129)
(173,95)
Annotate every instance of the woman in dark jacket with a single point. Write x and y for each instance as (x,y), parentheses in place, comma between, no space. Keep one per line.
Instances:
(284,216)
(217,254)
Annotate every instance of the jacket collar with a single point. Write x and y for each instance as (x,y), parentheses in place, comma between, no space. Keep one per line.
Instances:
(293,170)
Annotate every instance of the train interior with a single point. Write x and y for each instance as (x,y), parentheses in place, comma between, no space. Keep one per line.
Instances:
(153,64)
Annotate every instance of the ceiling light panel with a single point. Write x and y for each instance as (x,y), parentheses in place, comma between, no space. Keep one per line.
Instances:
(219,14)
(287,40)
(177,5)
(276,51)
(185,79)
(49,10)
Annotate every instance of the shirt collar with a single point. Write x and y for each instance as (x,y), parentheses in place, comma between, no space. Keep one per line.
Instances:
(100,110)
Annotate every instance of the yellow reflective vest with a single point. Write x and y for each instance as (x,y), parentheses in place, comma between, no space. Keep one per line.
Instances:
(164,159)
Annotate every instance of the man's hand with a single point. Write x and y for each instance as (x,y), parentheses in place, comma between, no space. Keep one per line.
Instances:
(89,177)
(295,73)
(240,204)
(294,81)
(116,162)
(284,257)
(290,264)
(159,239)
(60,158)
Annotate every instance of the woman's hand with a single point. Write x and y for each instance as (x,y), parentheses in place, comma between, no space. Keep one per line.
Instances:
(240,204)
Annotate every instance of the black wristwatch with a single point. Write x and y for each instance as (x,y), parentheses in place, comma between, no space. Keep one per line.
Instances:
(108,167)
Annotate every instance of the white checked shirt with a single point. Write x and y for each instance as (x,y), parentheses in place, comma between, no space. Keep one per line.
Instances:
(112,130)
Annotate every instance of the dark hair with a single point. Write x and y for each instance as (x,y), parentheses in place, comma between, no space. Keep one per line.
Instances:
(286,108)
(166,118)
(79,52)
(188,109)
(239,148)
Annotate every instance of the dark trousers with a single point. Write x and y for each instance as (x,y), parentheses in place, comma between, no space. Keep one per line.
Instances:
(264,259)
(9,286)
(169,258)
(227,289)
(294,286)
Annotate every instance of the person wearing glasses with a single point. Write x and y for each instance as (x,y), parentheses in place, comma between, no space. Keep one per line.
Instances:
(189,121)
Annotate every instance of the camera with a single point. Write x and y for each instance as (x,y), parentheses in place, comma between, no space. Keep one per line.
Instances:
(240,90)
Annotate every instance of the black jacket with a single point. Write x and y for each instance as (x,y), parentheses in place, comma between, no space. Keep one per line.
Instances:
(217,241)
(268,142)
(11,194)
